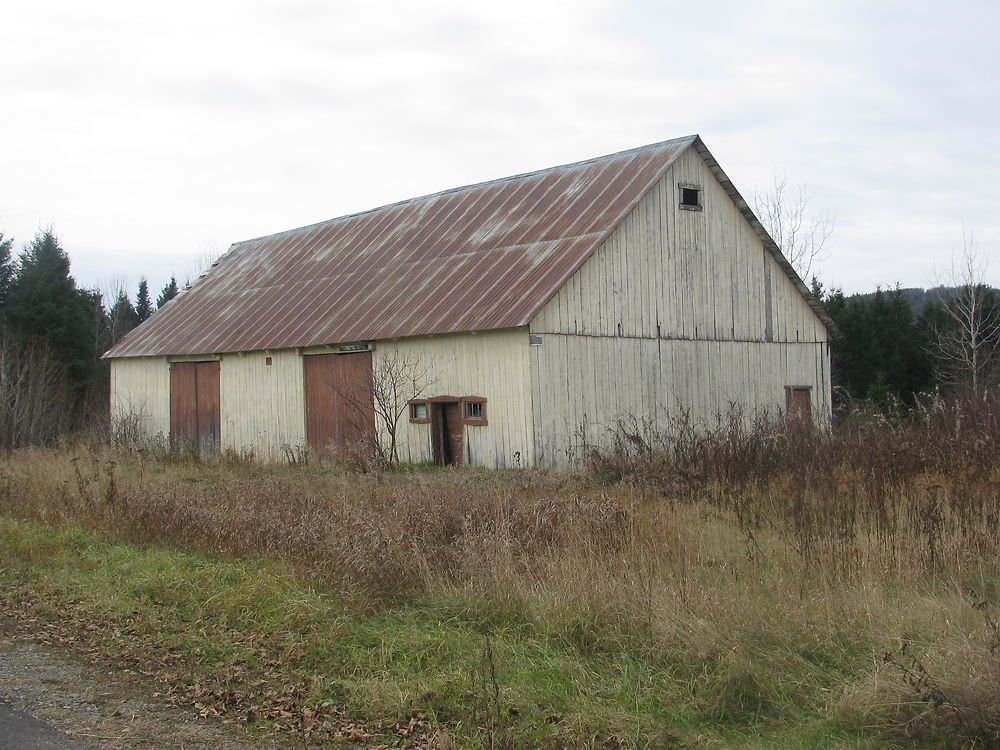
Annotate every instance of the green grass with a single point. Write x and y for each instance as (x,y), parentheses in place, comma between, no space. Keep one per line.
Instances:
(484,673)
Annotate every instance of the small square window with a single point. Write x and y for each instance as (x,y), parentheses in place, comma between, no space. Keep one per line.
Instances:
(420,411)
(474,410)
(690,196)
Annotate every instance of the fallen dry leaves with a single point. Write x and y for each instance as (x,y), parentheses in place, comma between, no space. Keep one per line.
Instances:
(265,700)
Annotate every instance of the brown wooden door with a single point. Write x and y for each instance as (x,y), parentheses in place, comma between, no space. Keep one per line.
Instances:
(798,406)
(339,410)
(195,416)
(447,433)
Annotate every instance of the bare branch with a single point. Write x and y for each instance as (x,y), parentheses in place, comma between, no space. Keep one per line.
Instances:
(35,393)
(208,257)
(396,379)
(785,215)
(966,340)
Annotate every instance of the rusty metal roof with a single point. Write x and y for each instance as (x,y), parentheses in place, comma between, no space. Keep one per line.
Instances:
(473,258)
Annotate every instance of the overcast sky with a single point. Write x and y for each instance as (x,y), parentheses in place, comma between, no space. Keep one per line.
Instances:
(150,136)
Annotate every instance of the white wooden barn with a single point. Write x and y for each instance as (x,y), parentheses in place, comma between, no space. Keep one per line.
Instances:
(636,285)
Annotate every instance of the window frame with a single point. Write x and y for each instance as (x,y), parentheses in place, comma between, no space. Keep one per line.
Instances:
(479,421)
(427,410)
(683,186)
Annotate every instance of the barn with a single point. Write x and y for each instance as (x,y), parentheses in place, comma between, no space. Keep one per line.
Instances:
(510,317)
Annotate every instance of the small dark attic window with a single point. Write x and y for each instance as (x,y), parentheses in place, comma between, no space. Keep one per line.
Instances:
(690,196)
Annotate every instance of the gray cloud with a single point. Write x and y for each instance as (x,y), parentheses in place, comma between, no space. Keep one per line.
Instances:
(146,138)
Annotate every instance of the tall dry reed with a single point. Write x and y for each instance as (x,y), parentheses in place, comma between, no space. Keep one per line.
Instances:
(744,556)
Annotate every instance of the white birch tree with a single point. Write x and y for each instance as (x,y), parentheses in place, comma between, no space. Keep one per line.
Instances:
(965,332)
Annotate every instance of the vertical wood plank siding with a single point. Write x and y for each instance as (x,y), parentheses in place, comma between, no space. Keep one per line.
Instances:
(669,315)
(140,388)
(263,406)
(492,364)
(655,381)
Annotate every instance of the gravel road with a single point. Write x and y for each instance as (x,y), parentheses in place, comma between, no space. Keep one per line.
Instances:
(21,731)
(97,710)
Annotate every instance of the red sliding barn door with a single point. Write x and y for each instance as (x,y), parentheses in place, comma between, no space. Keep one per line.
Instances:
(339,409)
(195,416)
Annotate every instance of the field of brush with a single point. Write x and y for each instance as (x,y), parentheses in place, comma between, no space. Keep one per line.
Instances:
(748,586)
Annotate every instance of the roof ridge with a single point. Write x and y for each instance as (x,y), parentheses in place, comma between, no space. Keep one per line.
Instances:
(469,186)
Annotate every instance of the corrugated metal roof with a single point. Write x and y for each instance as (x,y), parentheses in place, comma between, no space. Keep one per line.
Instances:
(473,258)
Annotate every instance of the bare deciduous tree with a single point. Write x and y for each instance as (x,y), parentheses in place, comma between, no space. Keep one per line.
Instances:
(207,259)
(785,215)
(396,379)
(35,394)
(965,337)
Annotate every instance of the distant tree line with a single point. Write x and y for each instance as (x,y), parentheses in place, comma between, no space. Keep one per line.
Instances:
(52,334)
(895,344)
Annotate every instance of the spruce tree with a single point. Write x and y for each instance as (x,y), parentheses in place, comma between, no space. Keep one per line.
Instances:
(122,317)
(881,353)
(43,302)
(168,293)
(143,307)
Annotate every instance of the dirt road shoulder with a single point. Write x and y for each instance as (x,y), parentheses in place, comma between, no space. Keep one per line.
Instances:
(98,708)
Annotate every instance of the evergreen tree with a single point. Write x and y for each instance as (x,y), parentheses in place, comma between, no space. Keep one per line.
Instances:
(100,322)
(817,289)
(44,302)
(122,317)
(7,268)
(143,307)
(881,353)
(168,293)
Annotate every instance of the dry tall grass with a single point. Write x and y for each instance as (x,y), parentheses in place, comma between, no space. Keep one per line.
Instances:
(758,562)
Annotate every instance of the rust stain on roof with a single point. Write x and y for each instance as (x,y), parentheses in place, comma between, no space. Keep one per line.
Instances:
(473,258)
